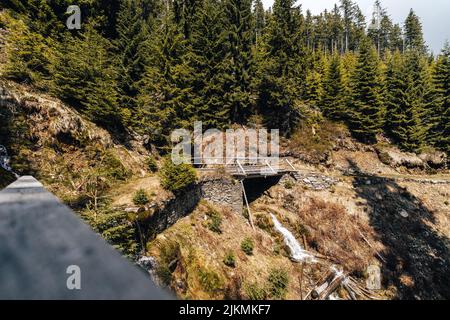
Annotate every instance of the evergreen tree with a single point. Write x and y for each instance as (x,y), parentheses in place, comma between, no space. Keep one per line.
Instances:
(333,96)
(26,52)
(396,38)
(259,19)
(413,33)
(83,74)
(366,101)
(348,11)
(408,91)
(184,13)
(283,69)
(439,131)
(165,97)
(211,63)
(314,79)
(336,30)
(132,32)
(239,36)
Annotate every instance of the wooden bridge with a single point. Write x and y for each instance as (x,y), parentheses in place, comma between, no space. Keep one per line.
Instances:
(249,168)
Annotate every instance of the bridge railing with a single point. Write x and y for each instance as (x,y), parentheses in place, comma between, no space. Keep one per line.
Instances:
(246,166)
(47,252)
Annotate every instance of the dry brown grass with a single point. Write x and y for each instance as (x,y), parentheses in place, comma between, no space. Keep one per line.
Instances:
(315,141)
(333,232)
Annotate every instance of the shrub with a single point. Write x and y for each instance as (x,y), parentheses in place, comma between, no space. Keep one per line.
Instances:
(140,198)
(230,260)
(169,252)
(385,158)
(113,167)
(277,282)
(215,221)
(255,292)
(247,246)
(164,274)
(177,178)
(264,222)
(151,164)
(288,184)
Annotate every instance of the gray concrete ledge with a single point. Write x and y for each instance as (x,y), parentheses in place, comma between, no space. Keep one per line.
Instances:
(40,238)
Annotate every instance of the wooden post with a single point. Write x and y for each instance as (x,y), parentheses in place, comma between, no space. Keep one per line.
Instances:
(248,207)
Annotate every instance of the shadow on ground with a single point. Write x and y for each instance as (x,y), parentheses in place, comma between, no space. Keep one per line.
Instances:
(417,257)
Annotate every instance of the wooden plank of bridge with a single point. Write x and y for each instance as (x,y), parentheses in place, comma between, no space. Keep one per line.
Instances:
(40,238)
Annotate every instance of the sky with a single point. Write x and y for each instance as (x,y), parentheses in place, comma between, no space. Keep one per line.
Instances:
(434,14)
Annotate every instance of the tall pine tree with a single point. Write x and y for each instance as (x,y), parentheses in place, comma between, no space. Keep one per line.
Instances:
(332,103)
(367,100)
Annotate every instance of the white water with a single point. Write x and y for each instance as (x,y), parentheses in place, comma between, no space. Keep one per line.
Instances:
(298,254)
(4,160)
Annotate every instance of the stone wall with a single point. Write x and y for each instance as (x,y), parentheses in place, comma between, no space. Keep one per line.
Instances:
(223,192)
(171,211)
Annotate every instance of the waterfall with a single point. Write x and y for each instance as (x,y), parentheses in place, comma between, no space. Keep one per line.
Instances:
(4,160)
(298,254)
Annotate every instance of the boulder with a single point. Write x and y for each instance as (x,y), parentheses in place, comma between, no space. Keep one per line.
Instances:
(434,159)
(395,158)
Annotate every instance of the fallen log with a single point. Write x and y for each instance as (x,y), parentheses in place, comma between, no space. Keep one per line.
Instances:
(332,282)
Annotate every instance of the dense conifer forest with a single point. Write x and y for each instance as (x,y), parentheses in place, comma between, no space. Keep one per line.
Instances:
(155,65)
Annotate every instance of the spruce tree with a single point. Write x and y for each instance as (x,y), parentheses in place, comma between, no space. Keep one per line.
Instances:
(348,11)
(26,52)
(408,92)
(367,99)
(84,75)
(395,38)
(413,33)
(210,61)
(133,31)
(165,97)
(283,68)
(239,40)
(259,19)
(439,131)
(333,100)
